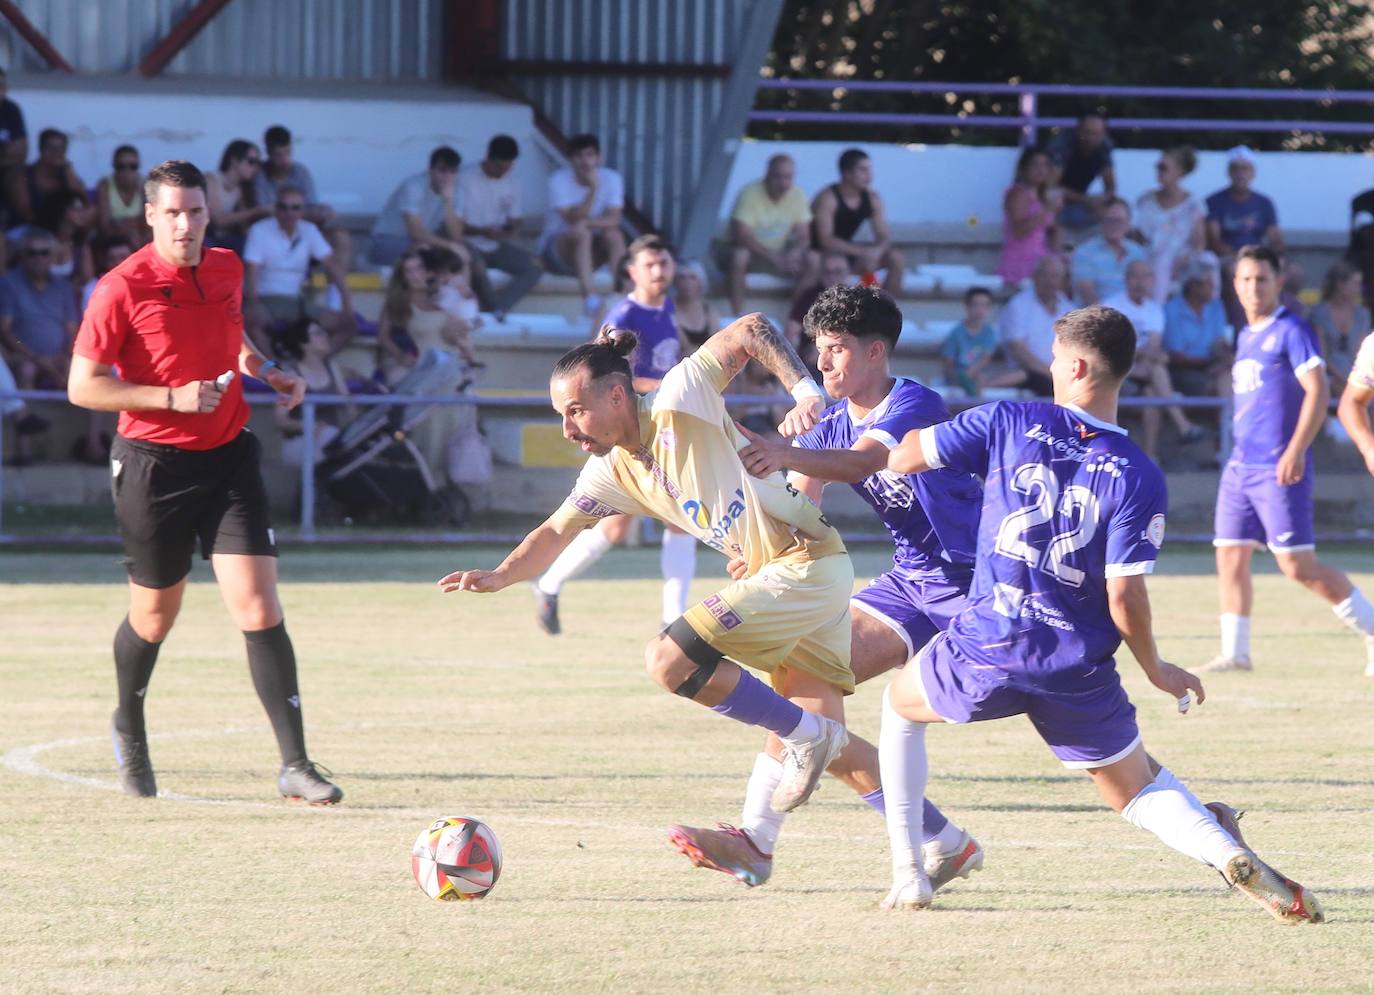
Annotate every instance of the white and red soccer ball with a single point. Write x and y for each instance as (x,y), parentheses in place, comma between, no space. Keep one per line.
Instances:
(456,859)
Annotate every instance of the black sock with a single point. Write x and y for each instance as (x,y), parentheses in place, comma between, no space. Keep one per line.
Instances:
(134,660)
(272,662)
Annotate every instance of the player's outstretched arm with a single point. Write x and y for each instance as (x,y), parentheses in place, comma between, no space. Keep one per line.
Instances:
(842,466)
(909,455)
(532,557)
(754,337)
(1129,602)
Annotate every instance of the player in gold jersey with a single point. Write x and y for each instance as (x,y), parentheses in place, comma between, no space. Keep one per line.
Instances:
(673,454)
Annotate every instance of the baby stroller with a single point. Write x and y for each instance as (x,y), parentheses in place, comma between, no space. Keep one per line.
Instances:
(373,471)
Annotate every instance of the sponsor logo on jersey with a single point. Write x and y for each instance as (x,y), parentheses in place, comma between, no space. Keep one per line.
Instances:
(1247,376)
(1154,532)
(717,527)
(722,612)
(591,506)
(1069,449)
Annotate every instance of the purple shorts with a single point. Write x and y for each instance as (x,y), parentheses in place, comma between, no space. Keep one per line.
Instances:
(1253,509)
(1086,719)
(913,606)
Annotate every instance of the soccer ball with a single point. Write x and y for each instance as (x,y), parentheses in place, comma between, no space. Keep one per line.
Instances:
(456,859)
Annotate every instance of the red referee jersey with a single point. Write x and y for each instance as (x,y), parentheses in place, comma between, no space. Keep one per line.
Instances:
(163,326)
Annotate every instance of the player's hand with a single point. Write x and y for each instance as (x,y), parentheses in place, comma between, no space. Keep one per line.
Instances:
(289,386)
(196,397)
(477,581)
(761,457)
(1290,467)
(1177,682)
(737,568)
(802,418)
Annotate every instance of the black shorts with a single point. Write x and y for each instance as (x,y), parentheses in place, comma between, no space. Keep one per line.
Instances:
(166,498)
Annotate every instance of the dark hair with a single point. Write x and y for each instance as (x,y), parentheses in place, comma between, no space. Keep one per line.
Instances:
(1185,156)
(1106,331)
(121,150)
(1261,253)
(235,151)
(1113,201)
(850,158)
(1023,160)
(438,259)
(276,136)
(647,243)
(583,141)
(973,292)
(50,133)
(605,356)
(396,306)
(1100,114)
(445,157)
(503,148)
(100,248)
(172,173)
(290,341)
(864,312)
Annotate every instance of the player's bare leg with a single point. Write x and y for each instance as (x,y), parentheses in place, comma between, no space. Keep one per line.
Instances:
(1236,593)
(1163,805)
(248,585)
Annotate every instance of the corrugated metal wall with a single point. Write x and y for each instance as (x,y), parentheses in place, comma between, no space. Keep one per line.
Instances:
(653,129)
(281,39)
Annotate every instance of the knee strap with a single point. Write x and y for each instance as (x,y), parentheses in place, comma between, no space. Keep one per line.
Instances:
(699,651)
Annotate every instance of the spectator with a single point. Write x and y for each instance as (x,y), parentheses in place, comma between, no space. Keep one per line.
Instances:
(106,255)
(1080,157)
(119,199)
(1150,374)
(1099,264)
(841,209)
(307,349)
(970,344)
(1197,337)
(489,205)
(1294,280)
(281,169)
(1172,222)
(583,225)
(25,425)
(769,231)
(1361,248)
(1027,327)
(1341,321)
(412,321)
(1237,215)
(834,271)
(232,196)
(697,317)
(50,183)
(1028,206)
(71,258)
(421,211)
(14,153)
(276,259)
(455,295)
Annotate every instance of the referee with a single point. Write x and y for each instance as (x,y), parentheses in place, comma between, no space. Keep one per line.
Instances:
(169,319)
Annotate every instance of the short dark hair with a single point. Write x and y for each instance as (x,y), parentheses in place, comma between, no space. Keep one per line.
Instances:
(276,136)
(1261,253)
(583,141)
(236,151)
(1098,113)
(605,356)
(647,243)
(1104,330)
(439,259)
(973,292)
(48,134)
(445,157)
(122,150)
(172,173)
(850,158)
(864,312)
(503,148)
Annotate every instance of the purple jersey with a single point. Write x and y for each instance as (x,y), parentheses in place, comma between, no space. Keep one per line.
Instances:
(1068,501)
(1264,379)
(933,517)
(658,350)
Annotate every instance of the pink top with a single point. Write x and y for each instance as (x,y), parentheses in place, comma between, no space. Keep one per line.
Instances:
(1019,255)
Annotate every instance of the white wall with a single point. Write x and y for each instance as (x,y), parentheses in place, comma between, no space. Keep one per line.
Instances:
(957,183)
(357,150)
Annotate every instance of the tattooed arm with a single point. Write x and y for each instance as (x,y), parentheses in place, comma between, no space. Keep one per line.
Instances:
(754,337)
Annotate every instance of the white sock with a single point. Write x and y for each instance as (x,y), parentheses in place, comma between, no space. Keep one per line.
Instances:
(581,553)
(1235,636)
(1356,612)
(1168,809)
(946,841)
(678,561)
(903,767)
(808,728)
(760,820)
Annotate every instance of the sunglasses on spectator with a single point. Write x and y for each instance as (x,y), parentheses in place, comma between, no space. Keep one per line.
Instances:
(284,206)
(126,166)
(253,160)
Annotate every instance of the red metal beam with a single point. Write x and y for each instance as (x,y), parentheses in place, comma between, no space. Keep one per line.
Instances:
(34,37)
(472,38)
(180,36)
(556,67)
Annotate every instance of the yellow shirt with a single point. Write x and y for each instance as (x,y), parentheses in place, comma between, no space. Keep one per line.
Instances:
(687,472)
(1362,370)
(771,220)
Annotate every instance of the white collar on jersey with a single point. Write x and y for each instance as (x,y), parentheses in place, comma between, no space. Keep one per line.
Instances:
(1266,321)
(1095,422)
(878,410)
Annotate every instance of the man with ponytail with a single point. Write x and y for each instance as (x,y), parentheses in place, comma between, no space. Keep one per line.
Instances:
(674,454)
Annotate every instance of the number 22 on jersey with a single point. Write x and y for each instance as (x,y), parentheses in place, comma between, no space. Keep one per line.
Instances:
(1075,503)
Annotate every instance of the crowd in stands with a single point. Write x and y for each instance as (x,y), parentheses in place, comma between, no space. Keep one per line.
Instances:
(1069,238)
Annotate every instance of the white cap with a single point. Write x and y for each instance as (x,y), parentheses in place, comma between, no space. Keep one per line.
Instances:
(1241,153)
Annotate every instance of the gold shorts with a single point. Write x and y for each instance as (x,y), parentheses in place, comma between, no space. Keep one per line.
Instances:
(791,615)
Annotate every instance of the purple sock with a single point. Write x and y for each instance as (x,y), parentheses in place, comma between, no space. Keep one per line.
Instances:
(754,703)
(932,819)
